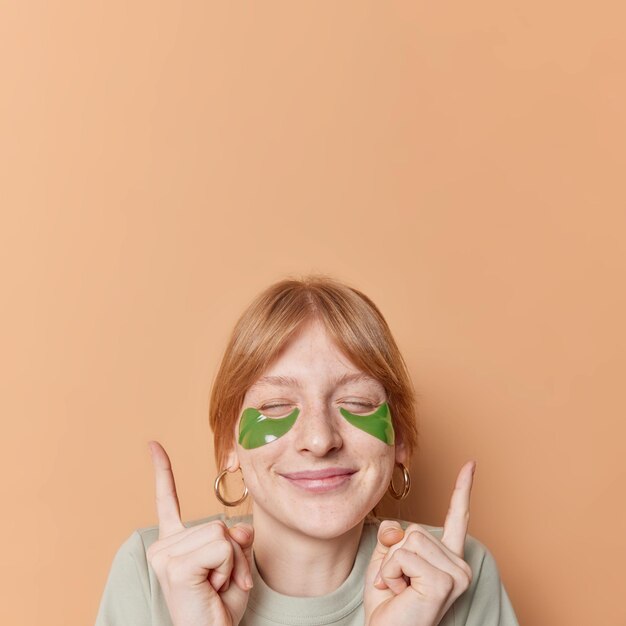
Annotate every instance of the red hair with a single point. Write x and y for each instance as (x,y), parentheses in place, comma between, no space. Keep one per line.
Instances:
(351,319)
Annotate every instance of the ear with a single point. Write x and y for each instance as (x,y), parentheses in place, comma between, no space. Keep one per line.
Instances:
(232,456)
(232,459)
(401,452)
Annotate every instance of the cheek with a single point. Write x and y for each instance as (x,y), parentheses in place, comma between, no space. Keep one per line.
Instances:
(379,457)
(256,463)
(385,463)
(381,475)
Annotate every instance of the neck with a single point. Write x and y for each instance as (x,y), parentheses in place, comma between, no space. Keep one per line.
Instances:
(295,564)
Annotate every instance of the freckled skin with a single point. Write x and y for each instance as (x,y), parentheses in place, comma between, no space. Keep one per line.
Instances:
(320,438)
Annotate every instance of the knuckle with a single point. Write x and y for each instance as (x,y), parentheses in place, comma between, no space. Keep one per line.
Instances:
(395,556)
(465,582)
(465,577)
(214,531)
(225,545)
(400,555)
(445,583)
(224,548)
(216,527)
(418,539)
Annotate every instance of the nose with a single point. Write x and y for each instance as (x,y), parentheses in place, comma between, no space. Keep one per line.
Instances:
(317,431)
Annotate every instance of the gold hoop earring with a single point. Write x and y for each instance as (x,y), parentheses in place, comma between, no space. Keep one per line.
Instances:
(220,497)
(406,487)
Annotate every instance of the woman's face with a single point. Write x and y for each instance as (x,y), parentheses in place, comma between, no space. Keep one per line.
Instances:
(324,475)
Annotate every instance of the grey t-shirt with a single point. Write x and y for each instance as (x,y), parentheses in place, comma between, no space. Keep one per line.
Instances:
(133,596)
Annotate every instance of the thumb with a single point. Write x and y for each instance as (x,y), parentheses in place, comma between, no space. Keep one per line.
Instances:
(389,533)
(243,534)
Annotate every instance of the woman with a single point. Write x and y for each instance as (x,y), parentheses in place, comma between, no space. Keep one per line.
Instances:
(314,406)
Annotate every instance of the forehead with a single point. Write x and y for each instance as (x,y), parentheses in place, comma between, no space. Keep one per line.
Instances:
(312,358)
(295,382)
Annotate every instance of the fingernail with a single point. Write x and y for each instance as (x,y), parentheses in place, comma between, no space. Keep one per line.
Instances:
(249,583)
(244,530)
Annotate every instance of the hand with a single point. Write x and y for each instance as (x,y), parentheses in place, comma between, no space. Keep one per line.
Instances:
(196,566)
(413,578)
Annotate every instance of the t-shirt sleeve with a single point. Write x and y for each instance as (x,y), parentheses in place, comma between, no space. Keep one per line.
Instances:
(126,597)
(486,602)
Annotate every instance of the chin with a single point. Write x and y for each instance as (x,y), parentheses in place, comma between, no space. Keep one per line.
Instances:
(328,523)
(326,530)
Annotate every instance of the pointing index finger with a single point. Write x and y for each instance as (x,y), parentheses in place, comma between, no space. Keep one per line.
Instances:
(168,508)
(457,519)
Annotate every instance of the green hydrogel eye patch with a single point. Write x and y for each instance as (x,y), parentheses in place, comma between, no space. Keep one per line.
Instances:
(256,429)
(378,424)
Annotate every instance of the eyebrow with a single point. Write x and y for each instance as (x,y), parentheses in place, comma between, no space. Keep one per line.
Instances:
(290,381)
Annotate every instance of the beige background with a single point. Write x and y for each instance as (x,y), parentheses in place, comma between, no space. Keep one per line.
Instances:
(462,163)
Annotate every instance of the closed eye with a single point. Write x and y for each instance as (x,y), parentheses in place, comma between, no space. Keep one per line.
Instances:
(362,405)
(276,410)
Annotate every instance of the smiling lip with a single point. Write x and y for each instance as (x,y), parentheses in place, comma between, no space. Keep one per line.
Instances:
(318,481)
